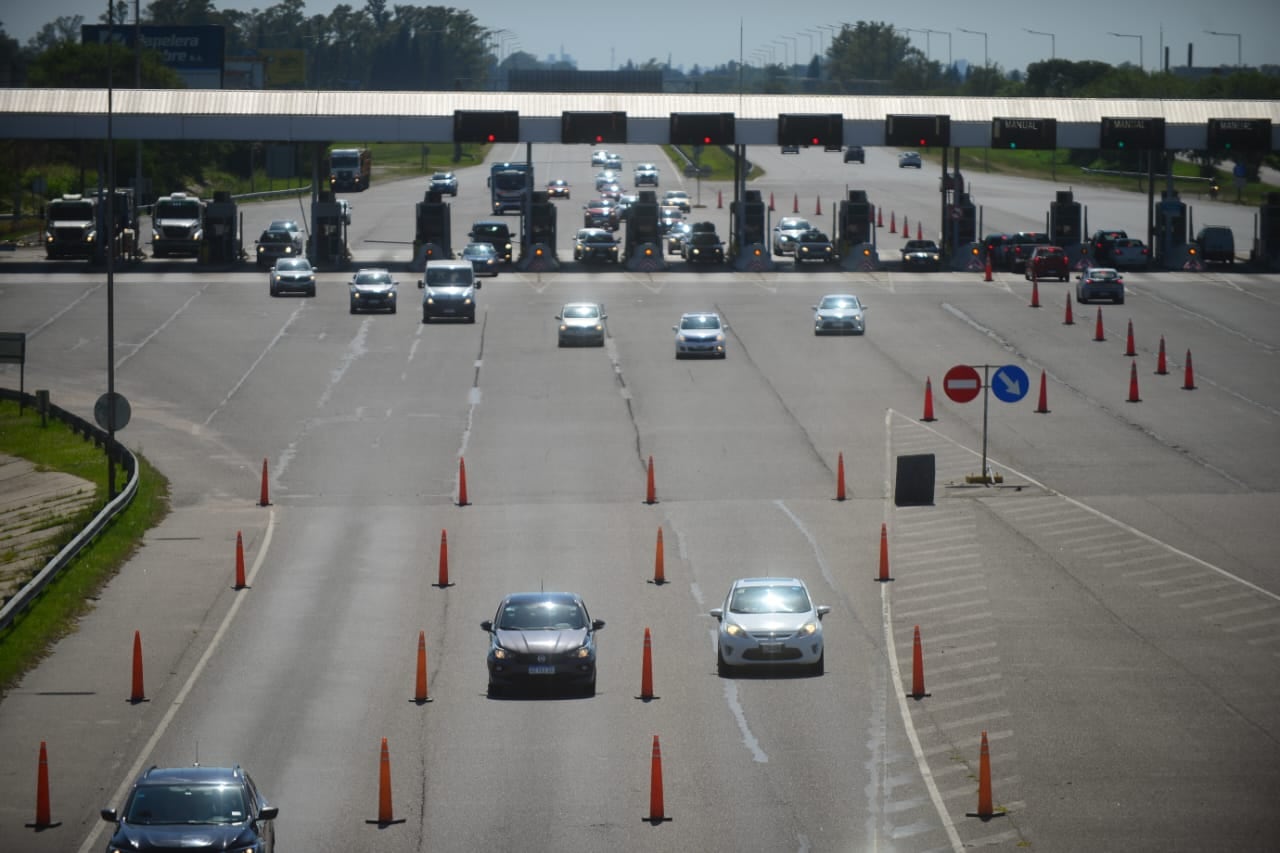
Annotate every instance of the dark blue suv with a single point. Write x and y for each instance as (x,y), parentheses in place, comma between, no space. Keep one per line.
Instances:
(194,808)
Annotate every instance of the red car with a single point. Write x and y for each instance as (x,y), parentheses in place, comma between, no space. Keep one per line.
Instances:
(1046,262)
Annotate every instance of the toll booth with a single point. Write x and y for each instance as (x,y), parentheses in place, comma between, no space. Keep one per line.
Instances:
(328,232)
(1064,220)
(962,232)
(120,235)
(220,243)
(748,220)
(1267,252)
(432,229)
(538,240)
(1171,230)
(856,220)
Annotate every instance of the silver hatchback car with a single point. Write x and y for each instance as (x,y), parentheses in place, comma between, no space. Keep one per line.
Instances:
(582,323)
(769,621)
(700,333)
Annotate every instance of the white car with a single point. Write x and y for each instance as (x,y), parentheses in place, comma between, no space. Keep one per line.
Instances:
(785,233)
(677,198)
(599,157)
(700,333)
(769,621)
(646,175)
(839,312)
(582,323)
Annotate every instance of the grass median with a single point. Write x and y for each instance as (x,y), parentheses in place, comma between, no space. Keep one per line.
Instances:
(54,447)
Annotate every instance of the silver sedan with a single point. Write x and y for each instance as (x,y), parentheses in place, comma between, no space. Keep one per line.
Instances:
(582,323)
(839,312)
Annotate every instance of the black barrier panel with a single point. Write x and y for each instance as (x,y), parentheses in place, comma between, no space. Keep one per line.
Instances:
(593,128)
(702,129)
(914,484)
(826,130)
(917,131)
(1247,134)
(486,126)
(1128,134)
(1027,134)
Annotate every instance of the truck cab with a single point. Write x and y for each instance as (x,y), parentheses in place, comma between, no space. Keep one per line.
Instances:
(177,225)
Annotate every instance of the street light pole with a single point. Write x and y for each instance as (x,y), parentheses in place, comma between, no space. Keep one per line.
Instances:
(985,61)
(1053,41)
(1137,36)
(946,33)
(1239,45)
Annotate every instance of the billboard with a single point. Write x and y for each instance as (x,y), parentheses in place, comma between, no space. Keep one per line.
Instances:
(196,53)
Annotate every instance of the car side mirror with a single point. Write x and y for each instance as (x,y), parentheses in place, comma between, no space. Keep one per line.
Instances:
(823,610)
(477,284)
(109,815)
(717,612)
(421,284)
(487,625)
(597,624)
(558,317)
(675,328)
(269,813)
(1080,278)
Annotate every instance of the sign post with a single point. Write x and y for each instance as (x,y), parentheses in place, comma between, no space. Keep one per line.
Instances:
(13,350)
(962,384)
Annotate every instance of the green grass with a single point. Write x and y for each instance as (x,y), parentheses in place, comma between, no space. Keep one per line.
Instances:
(56,448)
(721,164)
(1050,165)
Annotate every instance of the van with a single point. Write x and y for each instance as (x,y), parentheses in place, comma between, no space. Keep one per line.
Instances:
(1217,245)
(449,290)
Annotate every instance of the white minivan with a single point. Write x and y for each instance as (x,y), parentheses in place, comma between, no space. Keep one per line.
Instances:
(449,291)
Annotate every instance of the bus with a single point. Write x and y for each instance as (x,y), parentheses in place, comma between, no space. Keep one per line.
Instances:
(509,184)
(350,169)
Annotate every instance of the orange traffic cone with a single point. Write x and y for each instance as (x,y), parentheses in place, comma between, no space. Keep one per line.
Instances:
(1098,333)
(1128,348)
(137,693)
(659,575)
(240,584)
(646,668)
(984,781)
(385,815)
(771,207)
(817,210)
(919,231)
(1162,365)
(650,495)
(928,401)
(462,482)
(442,580)
(1068,319)
(1133,384)
(263,498)
(906,229)
(1043,407)
(986,275)
(657,812)
(795,203)
(43,817)
(840,477)
(893,222)
(1189,380)
(420,683)
(879,217)
(884,553)
(719,199)
(1035,290)
(917,668)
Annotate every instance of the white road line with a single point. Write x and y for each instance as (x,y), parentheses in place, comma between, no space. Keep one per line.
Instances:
(158,329)
(270,346)
(145,755)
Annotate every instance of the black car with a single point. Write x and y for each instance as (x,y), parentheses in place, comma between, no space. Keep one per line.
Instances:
(495,232)
(921,254)
(277,243)
(596,244)
(542,639)
(194,808)
(702,247)
(996,249)
(814,245)
(855,154)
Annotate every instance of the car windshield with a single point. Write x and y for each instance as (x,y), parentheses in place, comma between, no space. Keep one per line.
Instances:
(283,225)
(789,224)
(373,278)
(441,176)
(495,232)
(276,237)
(293,264)
(587,312)
(700,321)
(449,276)
(71,211)
(479,250)
(189,209)
(1104,275)
(704,238)
(599,237)
(541,616)
(509,180)
(815,237)
(839,302)
(1050,251)
(769,599)
(186,804)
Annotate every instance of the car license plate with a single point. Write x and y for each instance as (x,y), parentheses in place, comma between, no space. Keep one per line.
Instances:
(771,648)
(542,669)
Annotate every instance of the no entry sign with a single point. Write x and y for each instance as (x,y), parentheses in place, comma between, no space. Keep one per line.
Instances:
(962,383)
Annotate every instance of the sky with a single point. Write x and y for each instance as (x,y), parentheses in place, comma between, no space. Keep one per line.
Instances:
(602,36)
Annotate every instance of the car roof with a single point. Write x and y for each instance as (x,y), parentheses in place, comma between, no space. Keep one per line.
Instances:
(699,314)
(528,597)
(1093,270)
(195,773)
(768,581)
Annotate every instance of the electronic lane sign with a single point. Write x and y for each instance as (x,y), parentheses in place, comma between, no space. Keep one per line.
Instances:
(486,126)
(593,128)
(1132,134)
(1010,383)
(1027,134)
(917,131)
(826,130)
(702,129)
(1239,134)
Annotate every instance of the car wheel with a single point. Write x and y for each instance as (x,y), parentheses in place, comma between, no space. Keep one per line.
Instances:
(722,669)
(589,690)
(1080,298)
(819,667)
(353,308)
(723,354)
(493,691)
(426,318)
(274,292)
(311,291)
(1119,300)
(679,355)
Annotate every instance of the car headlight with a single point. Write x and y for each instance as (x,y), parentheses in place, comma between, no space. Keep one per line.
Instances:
(199,234)
(155,235)
(507,247)
(355,294)
(261,249)
(733,629)
(696,251)
(680,337)
(502,654)
(430,300)
(808,629)
(467,301)
(583,653)
(720,338)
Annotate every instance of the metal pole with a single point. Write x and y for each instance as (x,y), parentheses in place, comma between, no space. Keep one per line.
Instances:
(108,246)
(986,397)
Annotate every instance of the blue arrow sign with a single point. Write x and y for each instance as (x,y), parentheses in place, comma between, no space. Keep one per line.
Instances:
(1010,383)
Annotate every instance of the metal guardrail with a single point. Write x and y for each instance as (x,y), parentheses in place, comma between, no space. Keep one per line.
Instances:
(25,596)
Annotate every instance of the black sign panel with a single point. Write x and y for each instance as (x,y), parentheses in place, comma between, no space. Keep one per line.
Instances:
(917,131)
(1124,134)
(593,128)
(826,130)
(486,126)
(1029,134)
(702,129)
(1239,134)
